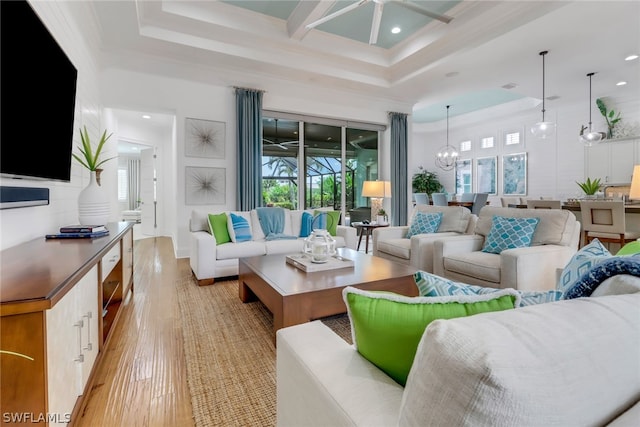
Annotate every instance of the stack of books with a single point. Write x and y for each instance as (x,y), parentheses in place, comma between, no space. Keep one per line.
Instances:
(79,232)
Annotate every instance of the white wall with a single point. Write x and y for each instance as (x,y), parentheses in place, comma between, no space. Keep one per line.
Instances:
(23,224)
(133,90)
(554,165)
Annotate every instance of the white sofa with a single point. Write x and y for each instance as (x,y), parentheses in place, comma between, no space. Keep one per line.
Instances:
(391,242)
(209,260)
(566,363)
(554,242)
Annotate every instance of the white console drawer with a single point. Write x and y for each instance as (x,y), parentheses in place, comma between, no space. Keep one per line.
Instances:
(110,260)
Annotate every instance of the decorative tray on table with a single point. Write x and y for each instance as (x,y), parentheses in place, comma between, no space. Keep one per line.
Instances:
(304,263)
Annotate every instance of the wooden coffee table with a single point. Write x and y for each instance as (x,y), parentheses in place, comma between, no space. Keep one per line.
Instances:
(295,297)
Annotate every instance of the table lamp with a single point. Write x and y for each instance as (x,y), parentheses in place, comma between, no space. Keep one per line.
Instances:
(376,191)
(634,192)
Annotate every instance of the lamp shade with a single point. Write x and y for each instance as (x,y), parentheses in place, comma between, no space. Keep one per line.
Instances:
(634,192)
(379,189)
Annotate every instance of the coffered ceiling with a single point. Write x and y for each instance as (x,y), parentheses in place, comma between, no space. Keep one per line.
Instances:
(486,56)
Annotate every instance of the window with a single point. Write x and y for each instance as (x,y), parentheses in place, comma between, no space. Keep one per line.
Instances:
(123,185)
(512,138)
(310,162)
(465,146)
(486,142)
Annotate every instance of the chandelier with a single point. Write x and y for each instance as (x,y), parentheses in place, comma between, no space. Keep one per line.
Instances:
(587,136)
(447,155)
(543,129)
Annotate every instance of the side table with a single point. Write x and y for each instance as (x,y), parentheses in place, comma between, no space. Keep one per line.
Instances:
(366,230)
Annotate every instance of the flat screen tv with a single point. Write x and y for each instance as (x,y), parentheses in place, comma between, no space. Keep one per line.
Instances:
(38,92)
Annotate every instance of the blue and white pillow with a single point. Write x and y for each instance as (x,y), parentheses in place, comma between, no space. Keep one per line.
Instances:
(509,233)
(581,262)
(425,222)
(306,226)
(239,228)
(431,285)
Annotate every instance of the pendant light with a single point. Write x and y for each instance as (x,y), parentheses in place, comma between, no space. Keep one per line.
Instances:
(447,155)
(543,129)
(587,136)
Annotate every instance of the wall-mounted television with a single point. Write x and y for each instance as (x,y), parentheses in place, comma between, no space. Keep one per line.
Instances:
(38,94)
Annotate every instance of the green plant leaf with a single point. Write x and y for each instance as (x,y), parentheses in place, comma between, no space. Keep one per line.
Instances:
(590,187)
(601,107)
(90,160)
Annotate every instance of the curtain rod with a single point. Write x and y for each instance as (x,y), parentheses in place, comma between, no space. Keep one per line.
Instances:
(249,88)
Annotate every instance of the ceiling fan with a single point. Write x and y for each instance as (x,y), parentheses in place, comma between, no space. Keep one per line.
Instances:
(377,14)
(279,144)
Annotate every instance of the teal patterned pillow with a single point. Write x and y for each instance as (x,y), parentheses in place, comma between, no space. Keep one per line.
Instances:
(582,261)
(431,285)
(425,222)
(509,233)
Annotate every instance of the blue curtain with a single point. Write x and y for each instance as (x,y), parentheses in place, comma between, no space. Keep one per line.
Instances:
(398,145)
(249,137)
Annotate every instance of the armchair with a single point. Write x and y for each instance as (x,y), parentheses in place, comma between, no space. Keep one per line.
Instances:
(529,268)
(392,242)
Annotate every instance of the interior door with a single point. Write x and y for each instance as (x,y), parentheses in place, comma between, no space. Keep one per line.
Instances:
(148,191)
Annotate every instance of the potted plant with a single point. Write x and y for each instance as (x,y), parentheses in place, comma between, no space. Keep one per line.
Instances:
(93,202)
(610,116)
(590,187)
(89,159)
(426,182)
(382,217)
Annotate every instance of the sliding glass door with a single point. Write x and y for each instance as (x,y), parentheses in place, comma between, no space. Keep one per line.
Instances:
(336,159)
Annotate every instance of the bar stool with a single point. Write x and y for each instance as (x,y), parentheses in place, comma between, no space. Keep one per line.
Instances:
(605,220)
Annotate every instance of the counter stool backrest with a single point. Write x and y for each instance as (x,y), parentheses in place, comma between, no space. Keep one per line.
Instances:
(544,204)
(604,220)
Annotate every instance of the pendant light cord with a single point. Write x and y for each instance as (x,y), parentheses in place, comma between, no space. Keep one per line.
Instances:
(590,75)
(448,125)
(543,53)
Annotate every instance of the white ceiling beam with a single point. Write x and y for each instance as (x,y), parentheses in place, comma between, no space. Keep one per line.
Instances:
(305,13)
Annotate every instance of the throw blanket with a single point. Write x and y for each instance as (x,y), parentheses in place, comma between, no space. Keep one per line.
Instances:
(272,223)
(590,280)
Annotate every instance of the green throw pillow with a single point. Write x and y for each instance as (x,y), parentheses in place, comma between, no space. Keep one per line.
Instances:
(387,327)
(327,220)
(218,227)
(630,248)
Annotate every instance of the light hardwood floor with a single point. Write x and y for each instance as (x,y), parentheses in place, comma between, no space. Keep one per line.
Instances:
(142,378)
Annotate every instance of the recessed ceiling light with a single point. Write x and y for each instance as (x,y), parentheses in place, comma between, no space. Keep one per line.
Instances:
(621,83)
(146,116)
(396,30)
(631,57)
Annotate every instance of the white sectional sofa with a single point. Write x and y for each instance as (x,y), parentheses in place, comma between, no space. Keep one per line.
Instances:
(565,363)
(209,260)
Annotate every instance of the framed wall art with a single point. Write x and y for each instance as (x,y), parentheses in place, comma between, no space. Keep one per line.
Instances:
(514,174)
(205,186)
(204,138)
(486,175)
(464,181)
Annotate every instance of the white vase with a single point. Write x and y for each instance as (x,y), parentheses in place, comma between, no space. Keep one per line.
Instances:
(93,204)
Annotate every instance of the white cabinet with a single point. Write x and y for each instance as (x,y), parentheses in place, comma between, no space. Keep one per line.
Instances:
(52,322)
(72,344)
(612,161)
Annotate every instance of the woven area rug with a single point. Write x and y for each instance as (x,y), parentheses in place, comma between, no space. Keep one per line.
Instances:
(230,354)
